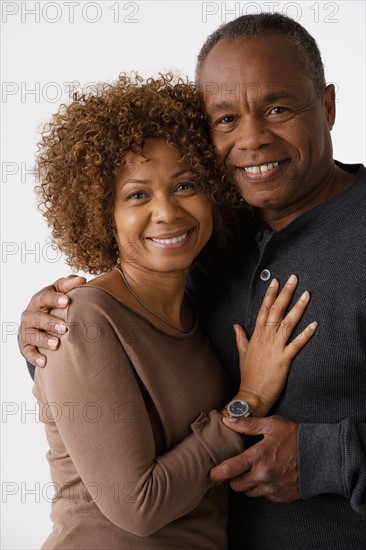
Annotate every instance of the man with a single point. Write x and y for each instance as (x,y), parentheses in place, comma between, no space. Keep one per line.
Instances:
(262,82)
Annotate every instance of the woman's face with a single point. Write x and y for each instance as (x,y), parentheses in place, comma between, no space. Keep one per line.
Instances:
(162,219)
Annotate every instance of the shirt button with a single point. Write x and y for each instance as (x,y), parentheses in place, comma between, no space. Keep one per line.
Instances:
(265,274)
(258,236)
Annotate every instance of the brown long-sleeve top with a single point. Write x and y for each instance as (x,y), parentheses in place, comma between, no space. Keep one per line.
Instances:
(126,409)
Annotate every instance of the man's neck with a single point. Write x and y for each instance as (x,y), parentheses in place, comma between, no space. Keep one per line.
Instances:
(335,183)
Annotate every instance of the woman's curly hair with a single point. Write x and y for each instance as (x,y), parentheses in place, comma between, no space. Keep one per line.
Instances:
(83,149)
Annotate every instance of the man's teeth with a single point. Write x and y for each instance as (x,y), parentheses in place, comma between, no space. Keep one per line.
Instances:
(262,168)
(170,241)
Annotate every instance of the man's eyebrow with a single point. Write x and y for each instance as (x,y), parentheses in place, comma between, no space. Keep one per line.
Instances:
(281,94)
(219,107)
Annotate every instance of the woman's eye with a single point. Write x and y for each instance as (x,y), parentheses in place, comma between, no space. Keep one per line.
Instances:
(187,185)
(137,196)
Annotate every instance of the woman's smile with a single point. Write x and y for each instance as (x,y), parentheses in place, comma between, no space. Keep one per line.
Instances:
(160,209)
(172,240)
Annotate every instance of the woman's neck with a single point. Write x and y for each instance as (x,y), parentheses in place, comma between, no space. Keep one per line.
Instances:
(162,293)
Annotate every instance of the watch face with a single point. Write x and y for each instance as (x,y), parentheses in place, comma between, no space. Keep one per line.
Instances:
(238,408)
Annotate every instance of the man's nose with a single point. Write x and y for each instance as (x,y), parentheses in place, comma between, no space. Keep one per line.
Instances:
(252,133)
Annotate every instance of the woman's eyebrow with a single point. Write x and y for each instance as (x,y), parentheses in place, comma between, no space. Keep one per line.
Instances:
(181,172)
(147,181)
(130,180)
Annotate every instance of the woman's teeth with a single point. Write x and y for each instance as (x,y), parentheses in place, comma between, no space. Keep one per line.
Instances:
(170,241)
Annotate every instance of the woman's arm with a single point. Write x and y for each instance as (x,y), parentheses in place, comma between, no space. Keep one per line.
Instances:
(91,377)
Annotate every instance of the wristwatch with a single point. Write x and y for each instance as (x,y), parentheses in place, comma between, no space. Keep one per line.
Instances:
(238,409)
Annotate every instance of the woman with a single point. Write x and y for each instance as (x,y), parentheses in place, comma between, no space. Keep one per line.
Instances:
(130,399)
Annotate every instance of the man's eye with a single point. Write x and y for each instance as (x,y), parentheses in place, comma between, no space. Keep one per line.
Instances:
(280,114)
(224,124)
(278,110)
(226,119)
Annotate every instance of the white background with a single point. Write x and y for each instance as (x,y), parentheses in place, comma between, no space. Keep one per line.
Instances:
(82,41)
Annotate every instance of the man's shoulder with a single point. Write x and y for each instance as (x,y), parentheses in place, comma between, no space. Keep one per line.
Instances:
(358,170)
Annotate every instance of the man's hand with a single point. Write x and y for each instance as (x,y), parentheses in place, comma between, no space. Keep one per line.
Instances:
(269,468)
(39,329)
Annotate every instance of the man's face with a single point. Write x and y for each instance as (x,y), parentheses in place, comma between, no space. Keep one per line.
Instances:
(268,125)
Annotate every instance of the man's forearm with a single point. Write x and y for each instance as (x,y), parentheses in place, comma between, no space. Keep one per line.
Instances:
(332,459)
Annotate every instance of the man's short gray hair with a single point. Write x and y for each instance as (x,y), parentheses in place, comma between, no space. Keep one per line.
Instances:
(255,25)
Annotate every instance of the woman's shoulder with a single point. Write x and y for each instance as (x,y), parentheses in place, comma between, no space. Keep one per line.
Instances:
(106,281)
(98,298)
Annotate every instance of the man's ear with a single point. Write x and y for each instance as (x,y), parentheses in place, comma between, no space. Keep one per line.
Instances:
(329,101)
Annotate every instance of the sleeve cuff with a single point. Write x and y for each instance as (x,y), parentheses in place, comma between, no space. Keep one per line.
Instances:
(219,441)
(31,369)
(320,459)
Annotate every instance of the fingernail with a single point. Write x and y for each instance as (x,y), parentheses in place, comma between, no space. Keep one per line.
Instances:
(313,325)
(61,329)
(63,301)
(273,283)
(305,295)
(40,362)
(52,342)
(292,279)
(230,419)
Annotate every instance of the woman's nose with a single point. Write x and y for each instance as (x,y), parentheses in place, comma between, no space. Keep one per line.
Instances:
(165,209)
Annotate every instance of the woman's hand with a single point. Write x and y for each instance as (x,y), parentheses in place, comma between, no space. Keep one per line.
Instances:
(265,360)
